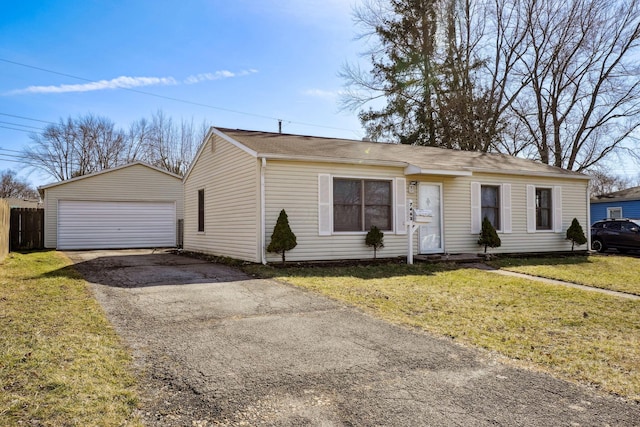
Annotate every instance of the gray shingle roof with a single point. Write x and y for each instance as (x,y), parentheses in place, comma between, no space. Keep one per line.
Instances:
(628,194)
(300,147)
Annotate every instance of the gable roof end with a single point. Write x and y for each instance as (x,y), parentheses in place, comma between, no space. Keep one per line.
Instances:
(104,171)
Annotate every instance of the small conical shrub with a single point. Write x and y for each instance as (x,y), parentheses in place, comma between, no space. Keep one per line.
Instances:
(488,236)
(375,238)
(576,234)
(282,239)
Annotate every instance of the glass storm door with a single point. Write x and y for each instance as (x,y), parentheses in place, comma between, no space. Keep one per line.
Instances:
(430,199)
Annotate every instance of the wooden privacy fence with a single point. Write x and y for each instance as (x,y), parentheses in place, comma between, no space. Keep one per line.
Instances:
(4,228)
(27,229)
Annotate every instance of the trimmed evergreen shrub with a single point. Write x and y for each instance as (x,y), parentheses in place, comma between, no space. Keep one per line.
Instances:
(576,234)
(282,239)
(375,238)
(488,236)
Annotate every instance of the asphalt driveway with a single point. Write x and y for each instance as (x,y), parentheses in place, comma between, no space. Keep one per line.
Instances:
(214,346)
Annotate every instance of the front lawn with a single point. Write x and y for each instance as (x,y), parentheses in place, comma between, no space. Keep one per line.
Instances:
(618,273)
(577,335)
(61,363)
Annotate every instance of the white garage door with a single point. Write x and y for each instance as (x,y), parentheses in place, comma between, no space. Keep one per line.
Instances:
(105,225)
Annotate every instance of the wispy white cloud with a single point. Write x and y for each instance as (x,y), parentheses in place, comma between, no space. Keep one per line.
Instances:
(323,94)
(126,82)
(223,74)
(117,83)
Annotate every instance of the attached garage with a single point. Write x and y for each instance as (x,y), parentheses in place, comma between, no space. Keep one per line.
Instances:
(133,206)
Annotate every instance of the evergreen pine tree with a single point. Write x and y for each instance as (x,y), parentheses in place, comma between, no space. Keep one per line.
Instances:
(375,238)
(576,234)
(488,236)
(282,239)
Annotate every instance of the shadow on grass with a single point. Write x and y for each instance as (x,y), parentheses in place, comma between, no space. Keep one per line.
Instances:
(377,271)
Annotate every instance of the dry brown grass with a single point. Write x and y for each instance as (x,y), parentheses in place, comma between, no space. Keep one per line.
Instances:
(61,363)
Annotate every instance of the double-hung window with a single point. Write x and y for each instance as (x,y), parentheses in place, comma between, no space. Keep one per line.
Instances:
(492,201)
(359,204)
(490,207)
(544,209)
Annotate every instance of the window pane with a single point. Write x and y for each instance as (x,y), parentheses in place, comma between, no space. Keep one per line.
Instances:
(347,218)
(489,196)
(200,210)
(543,209)
(490,199)
(346,191)
(347,205)
(377,215)
(377,192)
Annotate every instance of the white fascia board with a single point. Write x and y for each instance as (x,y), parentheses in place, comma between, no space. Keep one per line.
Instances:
(319,159)
(531,173)
(417,170)
(104,171)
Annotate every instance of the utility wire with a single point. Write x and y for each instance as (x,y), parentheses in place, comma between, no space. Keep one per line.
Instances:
(27,118)
(18,124)
(175,99)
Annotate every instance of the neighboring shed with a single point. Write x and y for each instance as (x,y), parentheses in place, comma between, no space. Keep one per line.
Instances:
(131,206)
(333,190)
(619,204)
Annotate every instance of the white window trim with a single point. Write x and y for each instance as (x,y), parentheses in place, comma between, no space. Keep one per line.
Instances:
(505,207)
(325,204)
(613,208)
(556,208)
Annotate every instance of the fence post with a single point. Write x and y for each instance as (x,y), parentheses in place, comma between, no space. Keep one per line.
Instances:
(5,214)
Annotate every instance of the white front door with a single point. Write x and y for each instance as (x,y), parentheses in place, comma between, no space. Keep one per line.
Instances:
(430,199)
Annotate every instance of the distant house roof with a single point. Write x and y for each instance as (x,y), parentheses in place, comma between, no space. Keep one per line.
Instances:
(629,194)
(415,159)
(23,203)
(128,165)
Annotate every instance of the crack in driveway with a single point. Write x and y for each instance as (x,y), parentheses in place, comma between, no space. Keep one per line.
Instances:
(258,352)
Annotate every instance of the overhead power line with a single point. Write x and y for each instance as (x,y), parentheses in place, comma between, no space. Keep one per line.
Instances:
(27,118)
(170,98)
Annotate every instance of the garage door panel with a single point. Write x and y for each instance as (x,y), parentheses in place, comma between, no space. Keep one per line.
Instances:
(103,225)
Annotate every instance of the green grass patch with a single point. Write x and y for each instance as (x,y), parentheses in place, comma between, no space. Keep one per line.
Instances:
(617,273)
(61,363)
(582,336)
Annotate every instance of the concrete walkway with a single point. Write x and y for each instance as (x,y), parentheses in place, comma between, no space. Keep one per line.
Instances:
(560,282)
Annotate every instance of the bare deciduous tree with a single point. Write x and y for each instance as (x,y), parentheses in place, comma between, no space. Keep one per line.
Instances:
(76,147)
(554,80)
(11,186)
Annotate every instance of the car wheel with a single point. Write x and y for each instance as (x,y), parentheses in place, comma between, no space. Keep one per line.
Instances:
(597,245)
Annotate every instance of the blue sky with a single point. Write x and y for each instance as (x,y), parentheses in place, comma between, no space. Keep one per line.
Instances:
(268,59)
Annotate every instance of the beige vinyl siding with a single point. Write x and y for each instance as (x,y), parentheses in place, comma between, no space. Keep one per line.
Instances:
(230,178)
(457,213)
(293,186)
(133,183)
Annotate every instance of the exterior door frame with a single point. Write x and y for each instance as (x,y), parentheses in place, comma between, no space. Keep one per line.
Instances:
(422,229)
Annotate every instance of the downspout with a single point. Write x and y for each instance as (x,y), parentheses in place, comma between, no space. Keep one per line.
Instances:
(588,217)
(263,254)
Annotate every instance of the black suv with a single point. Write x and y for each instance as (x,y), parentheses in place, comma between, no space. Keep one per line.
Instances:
(622,234)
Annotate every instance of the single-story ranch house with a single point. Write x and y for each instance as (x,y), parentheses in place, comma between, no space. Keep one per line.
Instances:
(620,204)
(334,190)
(131,206)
